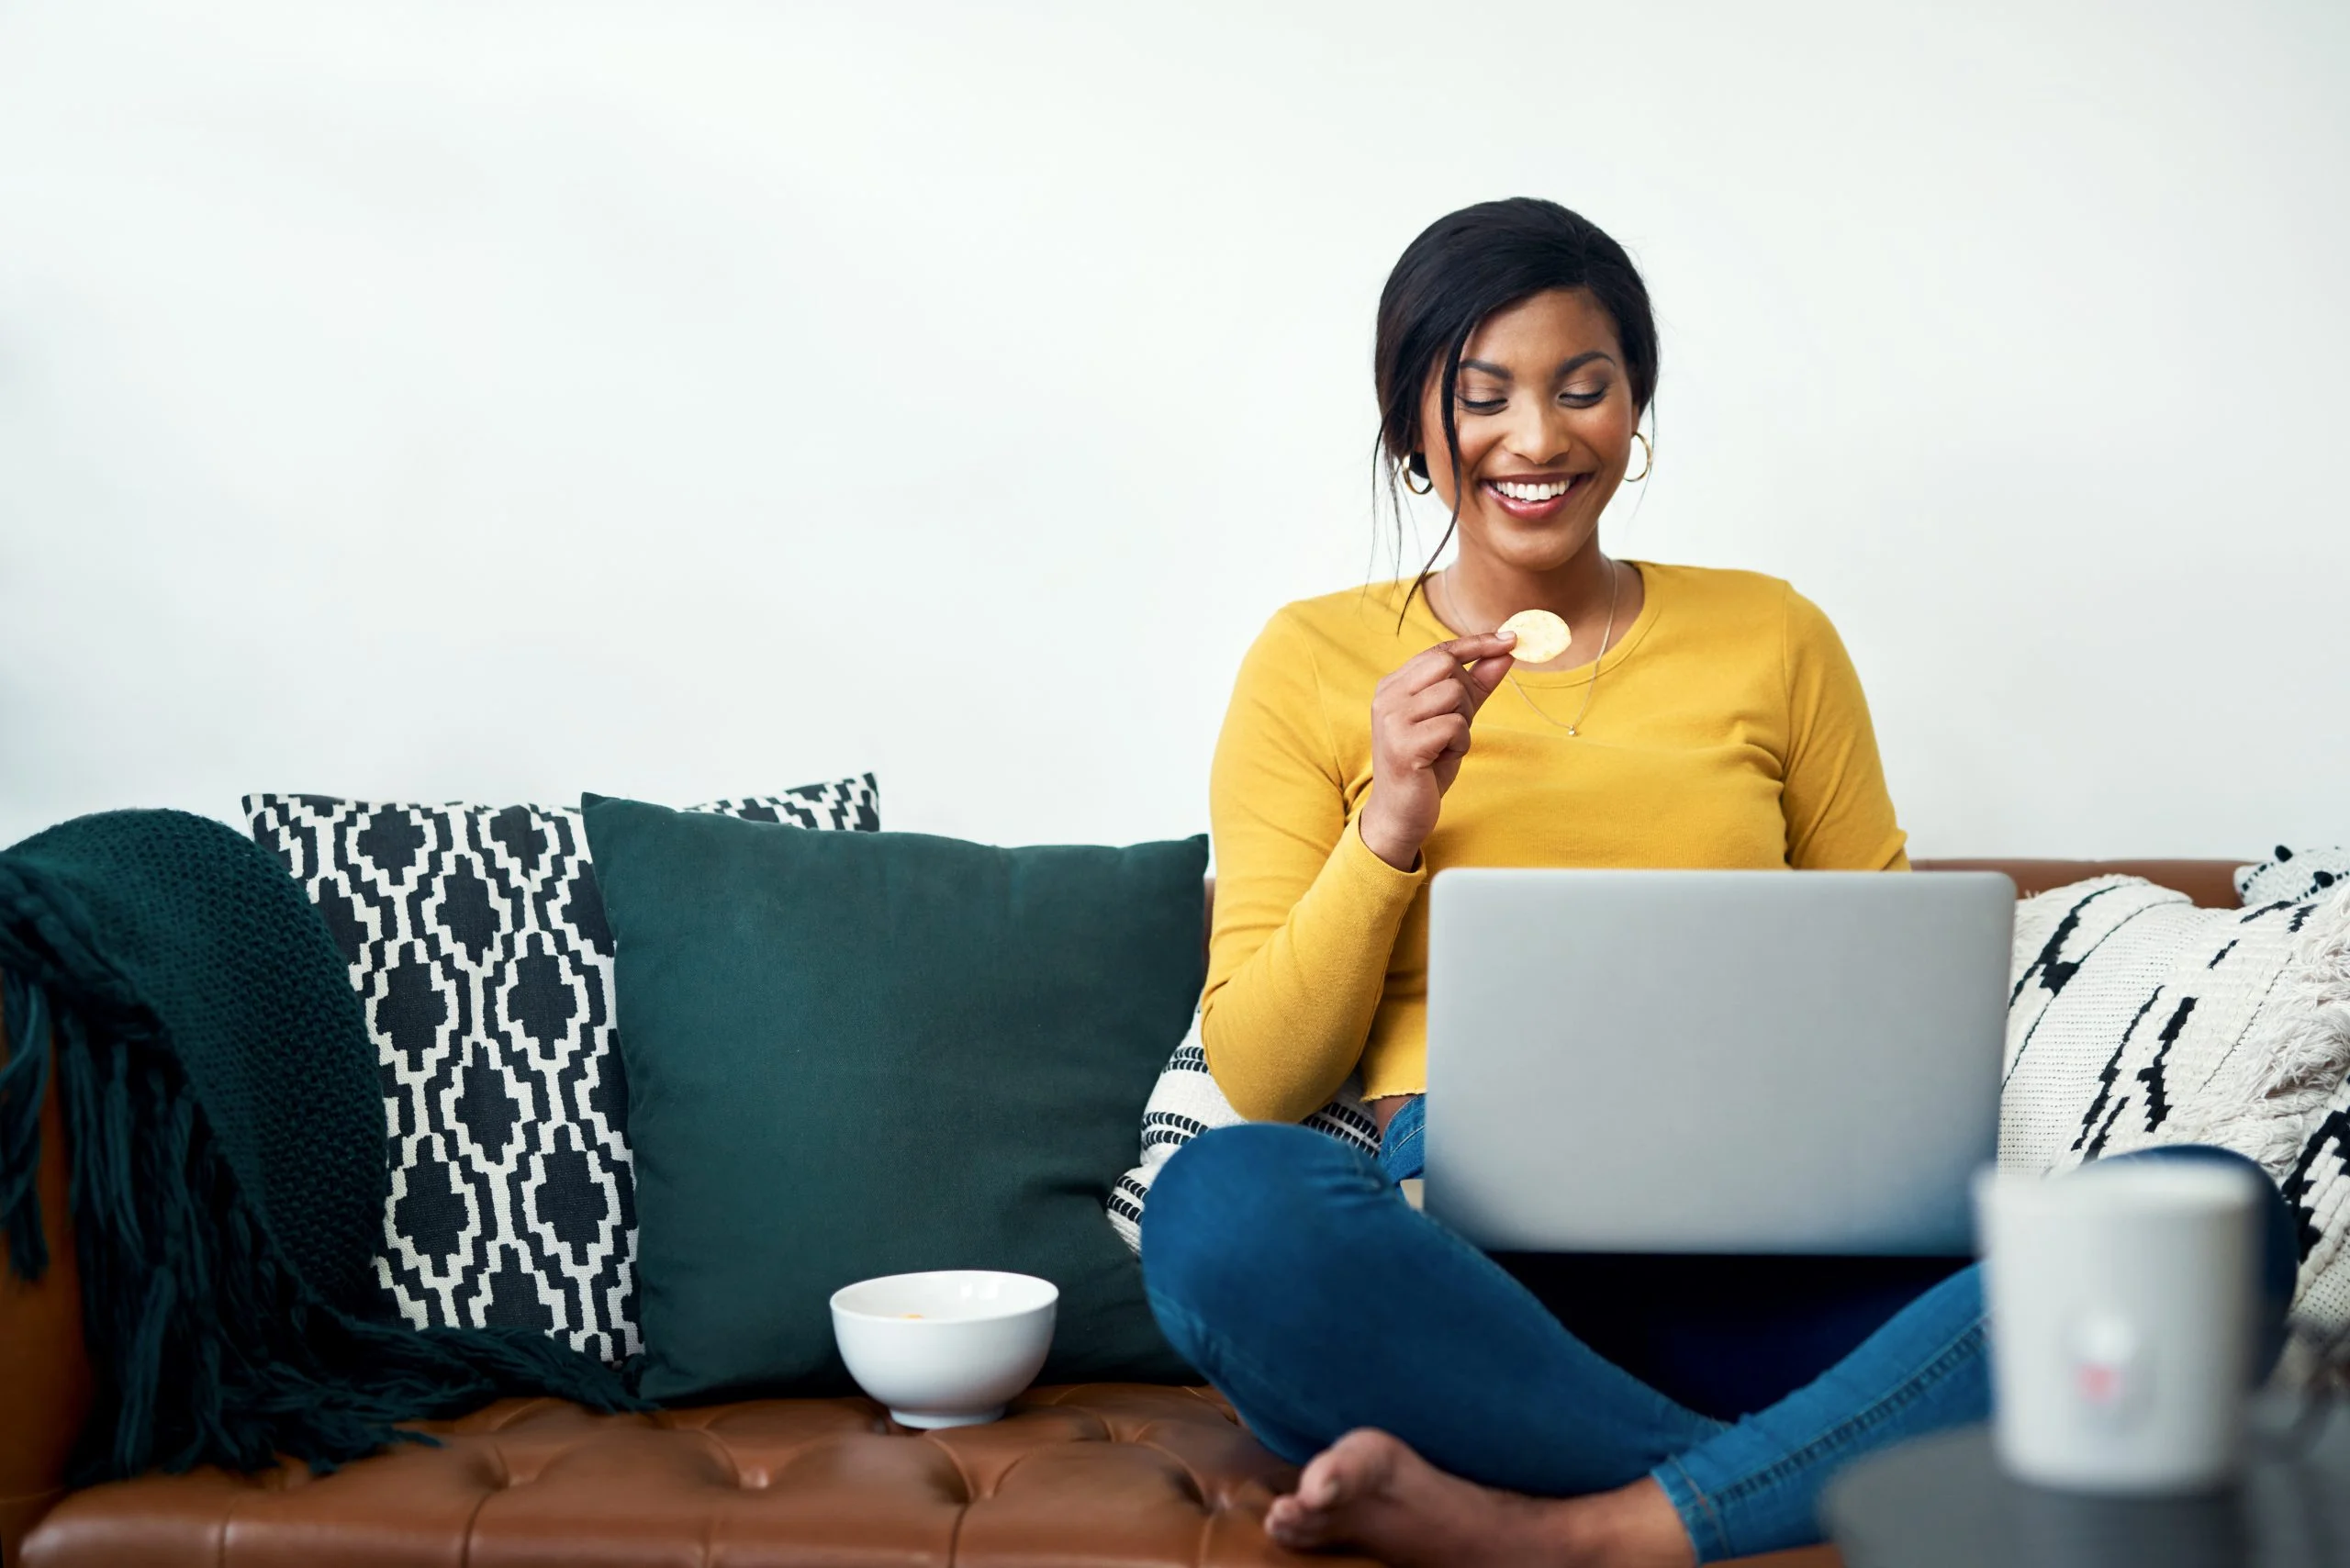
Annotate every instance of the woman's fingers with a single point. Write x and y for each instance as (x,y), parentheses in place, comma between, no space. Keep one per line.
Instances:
(1419,744)
(1483,646)
(1432,739)
(1444,696)
(1443,662)
(1419,727)
(1483,678)
(1463,691)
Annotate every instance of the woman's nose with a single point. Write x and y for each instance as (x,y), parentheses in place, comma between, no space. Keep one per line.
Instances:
(1539,436)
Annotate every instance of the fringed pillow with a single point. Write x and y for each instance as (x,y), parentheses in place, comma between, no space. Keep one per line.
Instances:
(2138,1019)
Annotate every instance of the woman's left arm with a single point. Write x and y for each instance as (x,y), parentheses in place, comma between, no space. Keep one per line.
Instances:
(1838,815)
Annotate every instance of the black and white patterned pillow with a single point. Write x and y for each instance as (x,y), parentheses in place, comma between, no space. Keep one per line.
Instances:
(476,938)
(2293,876)
(2138,1019)
(1185,1102)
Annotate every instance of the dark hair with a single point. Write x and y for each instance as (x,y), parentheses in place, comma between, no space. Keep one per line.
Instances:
(1461,269)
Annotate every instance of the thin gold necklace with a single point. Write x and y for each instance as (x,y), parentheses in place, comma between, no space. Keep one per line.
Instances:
(1591,686)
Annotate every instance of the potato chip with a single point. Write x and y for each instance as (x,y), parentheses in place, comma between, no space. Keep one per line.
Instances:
(1542,636)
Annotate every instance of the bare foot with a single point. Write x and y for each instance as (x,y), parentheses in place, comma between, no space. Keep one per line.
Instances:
(1370,1491)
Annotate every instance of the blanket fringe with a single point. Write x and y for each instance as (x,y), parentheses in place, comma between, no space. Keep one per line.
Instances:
(23,1085)
(207,1347)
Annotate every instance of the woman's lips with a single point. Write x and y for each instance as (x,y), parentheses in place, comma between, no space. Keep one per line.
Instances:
(1535,500)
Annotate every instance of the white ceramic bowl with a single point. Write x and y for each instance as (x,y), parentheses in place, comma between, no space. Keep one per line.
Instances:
(945,1348)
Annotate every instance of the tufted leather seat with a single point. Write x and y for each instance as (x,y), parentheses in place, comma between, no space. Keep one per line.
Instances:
(1101,1473)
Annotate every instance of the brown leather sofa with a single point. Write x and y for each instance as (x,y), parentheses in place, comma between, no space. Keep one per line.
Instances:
(1105,1473)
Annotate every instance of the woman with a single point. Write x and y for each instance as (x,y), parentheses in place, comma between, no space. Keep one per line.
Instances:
(1451,1408)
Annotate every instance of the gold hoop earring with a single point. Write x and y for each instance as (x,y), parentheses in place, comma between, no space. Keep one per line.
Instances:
(1648,456)
(1426,485)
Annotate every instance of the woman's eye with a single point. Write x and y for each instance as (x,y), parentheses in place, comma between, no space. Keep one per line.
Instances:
(1485,404)
(1582,397)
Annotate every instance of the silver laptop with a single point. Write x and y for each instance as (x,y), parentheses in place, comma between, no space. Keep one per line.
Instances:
(1714,1061)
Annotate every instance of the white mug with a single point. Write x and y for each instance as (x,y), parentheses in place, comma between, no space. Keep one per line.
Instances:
(2122,1315)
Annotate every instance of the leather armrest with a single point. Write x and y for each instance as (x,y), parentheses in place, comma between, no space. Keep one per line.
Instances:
(44,1368)
(2210,883)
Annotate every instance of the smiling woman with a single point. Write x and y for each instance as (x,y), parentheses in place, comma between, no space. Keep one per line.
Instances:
(1624,714)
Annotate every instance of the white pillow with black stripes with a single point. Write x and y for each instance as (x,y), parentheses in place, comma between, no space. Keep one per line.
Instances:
(2138,1019)
(1185,1102)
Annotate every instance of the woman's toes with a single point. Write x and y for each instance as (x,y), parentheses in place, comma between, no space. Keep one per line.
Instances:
(1335,1487)
(1319,1485)
(1370,1490)
(1357,1466)
(1293,1524)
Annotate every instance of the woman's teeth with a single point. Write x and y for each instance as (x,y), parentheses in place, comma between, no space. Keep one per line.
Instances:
(1549,490)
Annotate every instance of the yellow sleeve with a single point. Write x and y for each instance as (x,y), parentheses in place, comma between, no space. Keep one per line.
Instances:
(1839,817)
(1306,915)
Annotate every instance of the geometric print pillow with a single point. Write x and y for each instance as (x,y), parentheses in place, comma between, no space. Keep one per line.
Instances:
(477,939)
(2293,876)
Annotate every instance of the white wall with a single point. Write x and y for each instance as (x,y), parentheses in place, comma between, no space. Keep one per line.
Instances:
(494,401)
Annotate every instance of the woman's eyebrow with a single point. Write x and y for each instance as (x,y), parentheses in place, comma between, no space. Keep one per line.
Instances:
(1568,368)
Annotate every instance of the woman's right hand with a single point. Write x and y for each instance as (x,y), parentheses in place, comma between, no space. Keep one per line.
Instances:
(1419,732)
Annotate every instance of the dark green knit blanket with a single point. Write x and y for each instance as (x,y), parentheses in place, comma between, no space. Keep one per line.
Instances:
(229,1161)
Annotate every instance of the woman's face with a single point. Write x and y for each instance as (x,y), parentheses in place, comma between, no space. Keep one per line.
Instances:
(1544,411)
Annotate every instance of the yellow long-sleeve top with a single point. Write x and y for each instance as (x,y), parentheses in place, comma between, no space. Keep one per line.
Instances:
(1727,730)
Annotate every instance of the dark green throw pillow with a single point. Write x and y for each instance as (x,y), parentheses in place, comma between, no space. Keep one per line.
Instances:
(862,1054)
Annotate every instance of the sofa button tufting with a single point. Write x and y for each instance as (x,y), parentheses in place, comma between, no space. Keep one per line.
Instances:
(1112,1474)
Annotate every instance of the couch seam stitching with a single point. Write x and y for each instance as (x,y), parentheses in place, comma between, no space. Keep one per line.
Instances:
(955,1535)
(473,1515)
(970,1490)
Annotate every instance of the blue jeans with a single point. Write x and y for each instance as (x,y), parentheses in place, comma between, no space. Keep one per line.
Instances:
(1290,1270)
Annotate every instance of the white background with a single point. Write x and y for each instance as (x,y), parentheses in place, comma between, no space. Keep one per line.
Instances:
(496,400)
